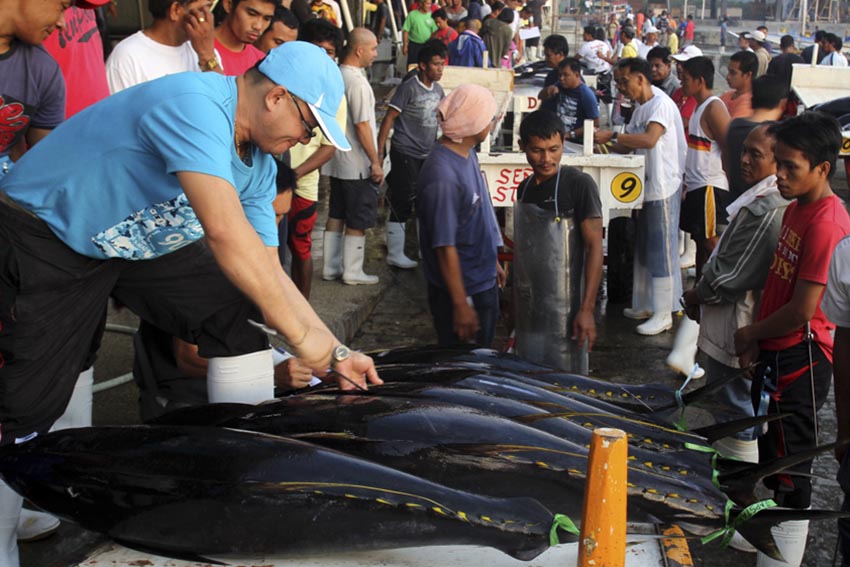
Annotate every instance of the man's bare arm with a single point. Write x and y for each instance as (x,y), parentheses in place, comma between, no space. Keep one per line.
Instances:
(255,269)
(584,326)
(787,319)
(464,317)
(319,158)
(363,131)
(384,132)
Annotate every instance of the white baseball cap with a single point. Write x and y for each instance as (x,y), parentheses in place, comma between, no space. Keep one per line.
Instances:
(689,52)
(756,35)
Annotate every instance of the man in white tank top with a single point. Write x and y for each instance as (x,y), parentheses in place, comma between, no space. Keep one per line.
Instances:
(704,212)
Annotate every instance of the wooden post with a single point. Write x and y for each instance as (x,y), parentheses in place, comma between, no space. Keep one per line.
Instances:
(602,542)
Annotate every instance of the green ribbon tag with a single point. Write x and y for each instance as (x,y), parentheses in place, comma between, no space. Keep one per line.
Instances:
(729,531)
(565,523)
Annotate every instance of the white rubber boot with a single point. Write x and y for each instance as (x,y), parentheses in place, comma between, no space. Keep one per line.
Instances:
(395,247)
(352,262)
(332,255)
(10,511)
(662,300)
(247,379)
(682,357)
(78,412)
(790,537)
(35,526)
(688,258)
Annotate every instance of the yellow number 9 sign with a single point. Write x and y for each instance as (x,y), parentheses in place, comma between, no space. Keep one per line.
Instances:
(626,187)
(845,147)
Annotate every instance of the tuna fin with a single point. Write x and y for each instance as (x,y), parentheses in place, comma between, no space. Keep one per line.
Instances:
(210,415)
(182,556)
(728,428)
(756,530)
(694,396)
(737,478)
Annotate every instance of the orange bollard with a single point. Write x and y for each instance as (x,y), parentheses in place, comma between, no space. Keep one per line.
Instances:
(602,542)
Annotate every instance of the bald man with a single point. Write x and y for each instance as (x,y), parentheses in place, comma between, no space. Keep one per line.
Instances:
(355,175)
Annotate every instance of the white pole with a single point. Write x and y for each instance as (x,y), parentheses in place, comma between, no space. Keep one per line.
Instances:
(804,13)
(346,15)
(685,11)
(702,15)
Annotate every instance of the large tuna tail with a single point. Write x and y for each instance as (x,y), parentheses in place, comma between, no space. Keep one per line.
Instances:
(756,529)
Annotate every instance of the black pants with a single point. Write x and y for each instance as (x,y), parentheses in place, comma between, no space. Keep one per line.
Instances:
(402,185)
(789,386)
(51,313)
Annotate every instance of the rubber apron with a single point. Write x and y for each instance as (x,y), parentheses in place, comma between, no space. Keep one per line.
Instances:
(548,286)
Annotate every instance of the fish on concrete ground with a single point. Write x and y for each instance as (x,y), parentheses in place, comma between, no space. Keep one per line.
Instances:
(204,491)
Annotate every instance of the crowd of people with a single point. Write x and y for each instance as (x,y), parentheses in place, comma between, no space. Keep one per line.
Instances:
(748,180)
(190,165)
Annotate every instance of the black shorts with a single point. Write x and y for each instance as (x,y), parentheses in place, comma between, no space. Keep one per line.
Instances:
(704,212)
(789,385)
(52,302)
(355,201)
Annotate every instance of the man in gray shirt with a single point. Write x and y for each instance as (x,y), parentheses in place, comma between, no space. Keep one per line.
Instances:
(662,67)
(413,117)
(355,175)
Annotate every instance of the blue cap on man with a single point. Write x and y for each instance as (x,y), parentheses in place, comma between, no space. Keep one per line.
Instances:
(309,73)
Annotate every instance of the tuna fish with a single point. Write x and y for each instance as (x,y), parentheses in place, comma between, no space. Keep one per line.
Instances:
(641,398)
(199,491)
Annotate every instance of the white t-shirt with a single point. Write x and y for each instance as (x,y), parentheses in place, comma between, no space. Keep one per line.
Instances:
(139,59)
(834,59)
(361,108)
(644,49)
(665,162)
(588,53)
(836,297)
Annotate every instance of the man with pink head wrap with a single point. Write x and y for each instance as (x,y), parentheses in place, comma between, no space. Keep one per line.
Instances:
(458,234)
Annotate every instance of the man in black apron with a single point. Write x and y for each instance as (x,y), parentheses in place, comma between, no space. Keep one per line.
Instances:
(557,251)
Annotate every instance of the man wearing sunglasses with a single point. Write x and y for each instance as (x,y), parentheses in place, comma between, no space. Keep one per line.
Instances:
(146,173)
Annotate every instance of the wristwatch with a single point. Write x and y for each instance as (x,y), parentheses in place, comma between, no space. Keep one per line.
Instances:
(339,354)
(614,137)
(572,134)
(209,65)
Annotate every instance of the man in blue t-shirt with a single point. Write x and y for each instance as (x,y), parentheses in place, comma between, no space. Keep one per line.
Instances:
(575,101)
(458,234)
(145,174)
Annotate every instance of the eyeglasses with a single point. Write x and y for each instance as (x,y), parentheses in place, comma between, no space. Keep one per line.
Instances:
(309,132)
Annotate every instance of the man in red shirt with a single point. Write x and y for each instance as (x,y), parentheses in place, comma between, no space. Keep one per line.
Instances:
(791,339)
(245,22)
(78,49)
(689,31)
